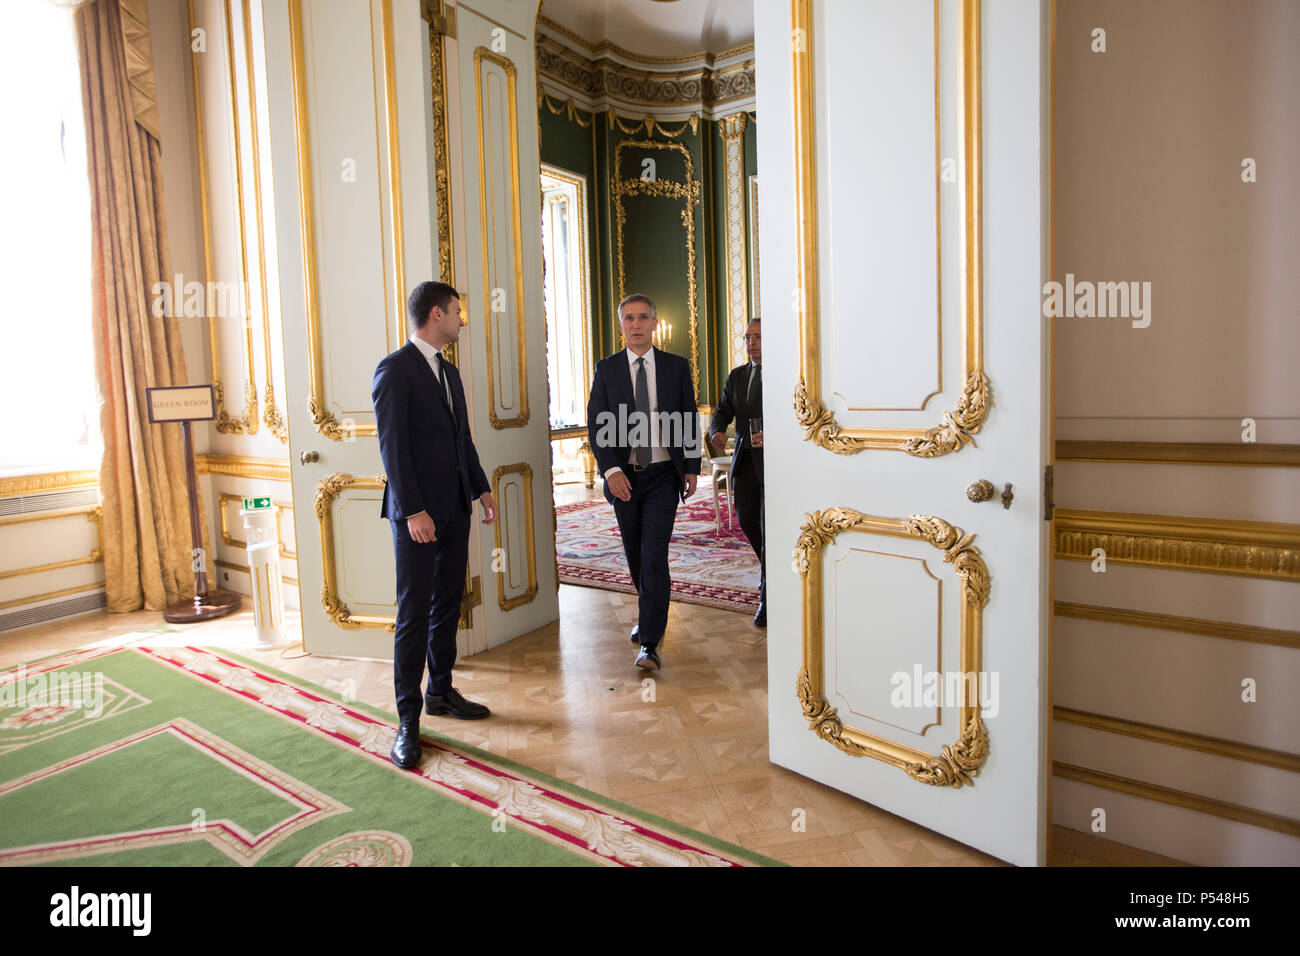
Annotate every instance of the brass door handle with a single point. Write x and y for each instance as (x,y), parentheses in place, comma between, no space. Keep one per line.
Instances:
(308,457)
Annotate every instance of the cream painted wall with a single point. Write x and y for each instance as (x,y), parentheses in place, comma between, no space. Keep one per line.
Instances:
(1150,139)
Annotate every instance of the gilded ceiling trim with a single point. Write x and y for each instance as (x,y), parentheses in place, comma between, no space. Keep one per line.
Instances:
(525,471)
(689,193)
(959,762)
(329,489)
(1259,549)
(958,426)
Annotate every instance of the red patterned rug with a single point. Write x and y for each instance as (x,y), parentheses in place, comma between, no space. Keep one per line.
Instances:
(710,567)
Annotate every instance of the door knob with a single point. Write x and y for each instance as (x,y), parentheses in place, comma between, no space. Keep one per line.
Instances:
(308,457)
(981,490)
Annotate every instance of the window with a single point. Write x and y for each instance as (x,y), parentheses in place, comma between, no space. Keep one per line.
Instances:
(48,390)
(568,310)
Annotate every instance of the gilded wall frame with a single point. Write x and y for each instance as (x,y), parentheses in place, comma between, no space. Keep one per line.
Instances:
(689,193)
(330,487)
(525,471)
(965,420)
(483,55)
(958,762)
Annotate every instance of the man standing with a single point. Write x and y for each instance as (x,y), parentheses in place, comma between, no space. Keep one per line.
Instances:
(742,400)
(642,424)
(433,478)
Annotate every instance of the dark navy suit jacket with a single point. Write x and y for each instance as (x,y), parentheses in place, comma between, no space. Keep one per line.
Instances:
(612,392)
(734,404)
(428,454)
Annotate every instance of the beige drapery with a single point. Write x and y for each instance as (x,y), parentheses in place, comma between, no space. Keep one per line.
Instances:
(146,530)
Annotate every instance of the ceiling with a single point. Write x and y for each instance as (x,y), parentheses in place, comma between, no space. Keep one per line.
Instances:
(657,28)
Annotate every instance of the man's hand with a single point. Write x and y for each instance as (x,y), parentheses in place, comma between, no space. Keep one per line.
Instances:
(717,441)
(489,507)
(421,528)
(691,482)
(619,486)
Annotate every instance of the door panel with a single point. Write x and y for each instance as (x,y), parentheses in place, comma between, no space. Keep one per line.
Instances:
(903,319)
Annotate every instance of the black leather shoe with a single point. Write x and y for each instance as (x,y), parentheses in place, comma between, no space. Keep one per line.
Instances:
(636,633)
(648,659)
(454,705)
(760,618)
(406,749)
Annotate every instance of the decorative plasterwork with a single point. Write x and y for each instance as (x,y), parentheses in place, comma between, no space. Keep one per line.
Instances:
(958,762)
(732,130)
(525,473)
(330,487)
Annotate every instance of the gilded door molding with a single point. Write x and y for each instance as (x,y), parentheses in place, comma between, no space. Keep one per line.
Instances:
(965,420)
(732,130)
(525,471)
(960,761)
(330,487)
(483,55)
(689,192)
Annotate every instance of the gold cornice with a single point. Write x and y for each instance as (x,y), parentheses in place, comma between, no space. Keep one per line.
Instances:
(1180,453)
(241,466)
(596,50)
(1251,548)
(965,420)
(1215,746)
(690,193)
(525,471)
(483,54)
(326,492)
(46,482)
(1183,625)
(1179,798)
(959,762)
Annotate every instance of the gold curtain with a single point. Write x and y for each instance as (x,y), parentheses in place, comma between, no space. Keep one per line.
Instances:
(146,509)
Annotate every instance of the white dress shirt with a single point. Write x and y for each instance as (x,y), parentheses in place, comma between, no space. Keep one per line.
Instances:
(433,357)
(658,452)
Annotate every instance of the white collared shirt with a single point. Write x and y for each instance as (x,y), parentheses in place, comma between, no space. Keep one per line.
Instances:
(431,356)
(658,453)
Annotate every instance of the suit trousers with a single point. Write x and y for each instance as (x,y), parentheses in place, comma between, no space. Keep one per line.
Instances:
(749,509)
(430,585)
(646,524)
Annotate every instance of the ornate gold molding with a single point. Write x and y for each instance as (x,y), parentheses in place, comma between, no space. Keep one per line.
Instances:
(241,466)
(1226,630)
(483,55)
(1178,798)
(46,482)
(1251,548)
(732,131)
(433,12)
(689,193)
(326,493)
(957,427)
(1181,453)
(1215,746)
(959,762)
(92,513)
(525,471)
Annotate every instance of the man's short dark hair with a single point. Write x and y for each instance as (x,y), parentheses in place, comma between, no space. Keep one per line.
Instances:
(638,297)
(755,319)
(424,297)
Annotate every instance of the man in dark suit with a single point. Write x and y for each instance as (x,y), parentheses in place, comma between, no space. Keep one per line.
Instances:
(742,400)
(643,427)
(433,478)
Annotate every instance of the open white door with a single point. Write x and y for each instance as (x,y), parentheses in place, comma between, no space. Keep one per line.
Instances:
(904,318)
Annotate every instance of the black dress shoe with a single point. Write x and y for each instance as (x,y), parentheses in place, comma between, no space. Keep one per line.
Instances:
(648,659)
(454,705)
(406,749)
(760,618)
(636,633)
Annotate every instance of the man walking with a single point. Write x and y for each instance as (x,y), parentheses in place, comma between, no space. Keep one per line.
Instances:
(433,478)
(642,424)
(742,400)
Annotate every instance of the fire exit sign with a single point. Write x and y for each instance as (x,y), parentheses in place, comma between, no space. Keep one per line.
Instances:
(256,504)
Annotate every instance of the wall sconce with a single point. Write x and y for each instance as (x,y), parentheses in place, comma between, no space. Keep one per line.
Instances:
(663,334)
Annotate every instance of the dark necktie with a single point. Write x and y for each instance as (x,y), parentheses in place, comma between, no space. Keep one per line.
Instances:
(754,384)
(446,386)
(641,454)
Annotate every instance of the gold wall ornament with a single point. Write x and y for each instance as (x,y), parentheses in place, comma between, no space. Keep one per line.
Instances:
(525,471)
(329,489)
(434,13)
(732,131)
(1260,549)
(483,55)
(689,193)
(957,427)
(242,466)
(958,763)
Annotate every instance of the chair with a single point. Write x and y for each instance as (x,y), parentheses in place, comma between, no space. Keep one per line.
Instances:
(722,472)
